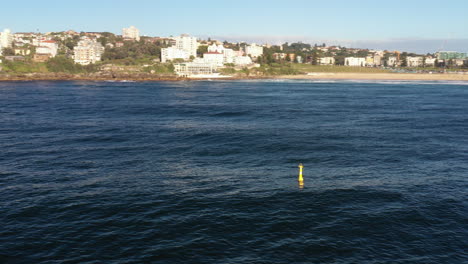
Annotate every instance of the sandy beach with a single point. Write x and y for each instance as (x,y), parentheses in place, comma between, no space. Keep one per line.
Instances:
(380,76)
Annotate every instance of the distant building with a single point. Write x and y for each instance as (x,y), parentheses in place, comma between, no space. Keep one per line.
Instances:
(355,62)
(458,62)
(299,59)
(6,39)
(171,53)
(216,58)
(326,61)
(186,43)
(254,50)
(131,33)
(451,55)
(414,61)
(14,58)
(87,51)
(194,68)
(228,54)
(430,62)
(370,61)
(48,47)
(393,61)
(22,51)
(279,56)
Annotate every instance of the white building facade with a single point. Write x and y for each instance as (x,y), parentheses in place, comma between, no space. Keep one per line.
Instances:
(414,61)
(48,47)
(429,62)
(393,61)
(194,68)
(254,50)
(6,39)
(87,51)
(171,53)
(326,61)
(131,33)
(355,62)
(216,58)
(187,43)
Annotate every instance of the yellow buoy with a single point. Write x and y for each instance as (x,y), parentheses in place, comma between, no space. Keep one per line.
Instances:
(301,179)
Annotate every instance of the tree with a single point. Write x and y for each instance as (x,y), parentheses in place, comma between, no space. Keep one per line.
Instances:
(201,50)
(8,52)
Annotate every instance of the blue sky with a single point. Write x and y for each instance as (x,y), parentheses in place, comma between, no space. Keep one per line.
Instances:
(345,21)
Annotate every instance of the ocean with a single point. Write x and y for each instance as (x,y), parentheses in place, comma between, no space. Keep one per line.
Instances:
(207,172)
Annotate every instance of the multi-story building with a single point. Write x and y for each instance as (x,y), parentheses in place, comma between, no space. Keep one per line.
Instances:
(326,61)
(171,53)
(414,61)
(186,43)
(87,51)
(378,59)
(451,55)
(429,62)
(216,58)
(194,68)
(6,39)
(131,33)
(47,47)
(228,54)
(393,61)
(355,62)
(254,51)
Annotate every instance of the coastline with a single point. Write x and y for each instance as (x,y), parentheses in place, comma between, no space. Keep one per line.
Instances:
(311,76)
(380,76)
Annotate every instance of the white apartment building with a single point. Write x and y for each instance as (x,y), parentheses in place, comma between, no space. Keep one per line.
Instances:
(216,58)
(47,47)
(171,53)
(228,54)
(6,39)
(355,62)
(131,33)
(458,62)
(326,61)
(187,43)
(87,51)
(429,62)
(254,50)
(414,61)
(194,68)
(393,61)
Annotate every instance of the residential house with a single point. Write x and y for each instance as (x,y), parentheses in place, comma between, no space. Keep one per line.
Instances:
(326,61)
(355,62)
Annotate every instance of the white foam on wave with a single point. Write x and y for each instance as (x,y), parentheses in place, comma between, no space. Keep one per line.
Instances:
(389,82)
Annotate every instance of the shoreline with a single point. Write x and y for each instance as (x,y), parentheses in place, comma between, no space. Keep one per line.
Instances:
(310,76)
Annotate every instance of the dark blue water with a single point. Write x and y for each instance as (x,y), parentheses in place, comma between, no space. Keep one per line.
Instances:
(206,172)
